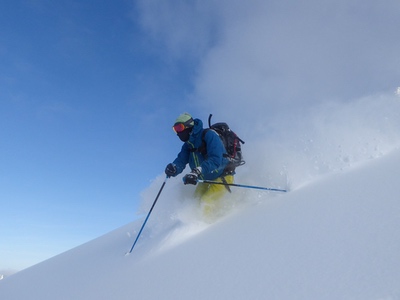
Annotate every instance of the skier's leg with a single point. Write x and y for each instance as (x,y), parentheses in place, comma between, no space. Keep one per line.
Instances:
(212,194)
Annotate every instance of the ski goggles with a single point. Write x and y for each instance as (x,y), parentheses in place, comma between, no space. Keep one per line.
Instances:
(179,127)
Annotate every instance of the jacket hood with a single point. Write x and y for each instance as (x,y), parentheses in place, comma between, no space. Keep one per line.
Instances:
(197,129)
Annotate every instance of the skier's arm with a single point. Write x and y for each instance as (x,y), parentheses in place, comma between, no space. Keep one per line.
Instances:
(182,159)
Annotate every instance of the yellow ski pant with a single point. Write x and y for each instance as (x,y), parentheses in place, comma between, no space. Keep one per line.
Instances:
(209,194)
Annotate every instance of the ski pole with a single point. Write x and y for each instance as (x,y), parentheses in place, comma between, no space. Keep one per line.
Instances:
(148,215)
(243,186)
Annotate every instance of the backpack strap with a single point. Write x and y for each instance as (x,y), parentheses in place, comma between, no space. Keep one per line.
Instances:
(230,167)
(203,147)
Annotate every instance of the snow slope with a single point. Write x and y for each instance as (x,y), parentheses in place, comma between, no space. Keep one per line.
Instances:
(336,237)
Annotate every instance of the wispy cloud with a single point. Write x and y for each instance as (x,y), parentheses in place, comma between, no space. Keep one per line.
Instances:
(185,29)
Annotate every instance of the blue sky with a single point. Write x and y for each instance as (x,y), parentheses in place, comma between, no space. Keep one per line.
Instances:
(89,91)
(85,122)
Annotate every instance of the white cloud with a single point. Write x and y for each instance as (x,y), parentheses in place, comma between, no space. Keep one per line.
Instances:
(301,53)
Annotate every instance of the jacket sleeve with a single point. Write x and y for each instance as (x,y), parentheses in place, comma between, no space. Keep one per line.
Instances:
(215,162)
(182,159)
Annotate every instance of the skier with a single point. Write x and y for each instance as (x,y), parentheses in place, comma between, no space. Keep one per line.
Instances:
(205,155)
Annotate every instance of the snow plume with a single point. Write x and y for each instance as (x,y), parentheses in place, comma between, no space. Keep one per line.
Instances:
(177,214)
(325,138)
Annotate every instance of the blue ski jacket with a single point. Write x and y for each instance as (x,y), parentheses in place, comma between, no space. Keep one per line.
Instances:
(213,164)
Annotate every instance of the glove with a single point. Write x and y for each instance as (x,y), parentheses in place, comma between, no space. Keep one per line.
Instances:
(191,178)
(170,170)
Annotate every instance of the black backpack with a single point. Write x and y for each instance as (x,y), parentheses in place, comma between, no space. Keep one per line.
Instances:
(231,142)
